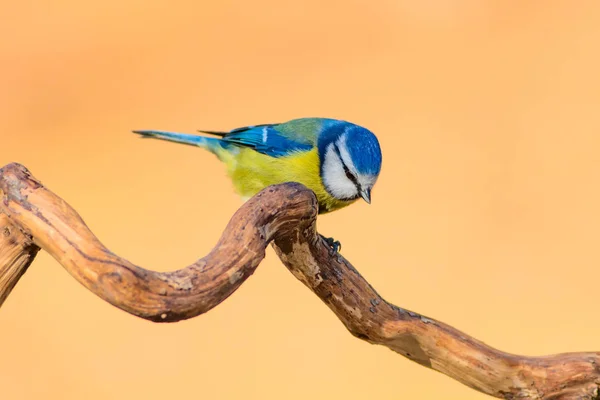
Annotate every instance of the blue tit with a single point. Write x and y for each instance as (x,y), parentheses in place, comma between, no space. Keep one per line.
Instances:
(338,160)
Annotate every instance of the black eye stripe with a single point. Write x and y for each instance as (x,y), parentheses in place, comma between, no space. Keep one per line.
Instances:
(349,174)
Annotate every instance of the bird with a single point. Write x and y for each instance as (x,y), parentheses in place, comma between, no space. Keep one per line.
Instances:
(338,160)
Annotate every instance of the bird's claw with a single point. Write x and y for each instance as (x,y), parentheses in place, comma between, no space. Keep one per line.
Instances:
(334,245)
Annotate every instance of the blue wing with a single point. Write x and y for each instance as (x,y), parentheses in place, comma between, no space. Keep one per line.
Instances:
(275,140)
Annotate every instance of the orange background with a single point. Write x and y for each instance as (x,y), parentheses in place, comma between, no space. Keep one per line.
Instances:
(486,214)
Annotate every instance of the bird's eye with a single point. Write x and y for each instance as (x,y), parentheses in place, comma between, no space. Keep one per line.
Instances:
(350,176)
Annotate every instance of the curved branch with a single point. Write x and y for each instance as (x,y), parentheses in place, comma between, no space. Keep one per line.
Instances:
(32,217)
(157,296)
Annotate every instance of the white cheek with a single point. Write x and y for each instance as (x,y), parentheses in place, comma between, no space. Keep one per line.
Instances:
(334,178)
(367,181)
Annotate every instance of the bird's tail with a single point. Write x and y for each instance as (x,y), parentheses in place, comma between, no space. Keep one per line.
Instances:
(211,144)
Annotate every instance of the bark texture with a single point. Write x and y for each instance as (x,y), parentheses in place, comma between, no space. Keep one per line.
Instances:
(32,217)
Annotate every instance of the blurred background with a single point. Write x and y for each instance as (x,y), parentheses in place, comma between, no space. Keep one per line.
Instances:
(486,214)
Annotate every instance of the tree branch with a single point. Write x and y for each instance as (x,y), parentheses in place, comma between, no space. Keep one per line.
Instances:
(17,252)
(32,217)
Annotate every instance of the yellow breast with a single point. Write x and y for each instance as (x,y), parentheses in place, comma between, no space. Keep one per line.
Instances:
(251,172)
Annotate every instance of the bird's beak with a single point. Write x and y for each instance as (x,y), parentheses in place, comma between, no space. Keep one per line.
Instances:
(366,195)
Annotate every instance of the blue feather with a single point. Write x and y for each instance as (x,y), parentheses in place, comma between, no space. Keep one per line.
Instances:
(266,139)
(193,140)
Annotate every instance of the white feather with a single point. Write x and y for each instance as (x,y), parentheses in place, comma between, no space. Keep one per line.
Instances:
(334,178)
(366,181)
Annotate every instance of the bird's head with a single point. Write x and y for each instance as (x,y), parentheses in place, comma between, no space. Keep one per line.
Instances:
(350,161)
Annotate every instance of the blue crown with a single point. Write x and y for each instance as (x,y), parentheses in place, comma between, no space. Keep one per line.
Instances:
(362,145)
(364,150)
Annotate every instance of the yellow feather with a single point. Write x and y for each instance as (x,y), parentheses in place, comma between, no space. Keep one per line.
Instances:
(251,172)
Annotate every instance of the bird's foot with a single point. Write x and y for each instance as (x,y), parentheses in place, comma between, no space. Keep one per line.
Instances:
(334,245)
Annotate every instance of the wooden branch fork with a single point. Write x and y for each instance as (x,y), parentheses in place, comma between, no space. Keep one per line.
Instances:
(32,217)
